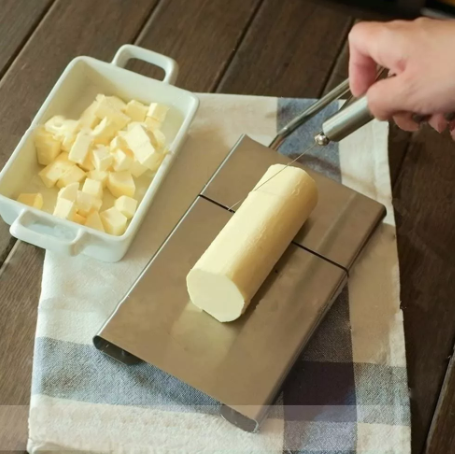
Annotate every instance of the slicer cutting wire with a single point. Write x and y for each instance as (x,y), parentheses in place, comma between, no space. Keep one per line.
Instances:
(307,150)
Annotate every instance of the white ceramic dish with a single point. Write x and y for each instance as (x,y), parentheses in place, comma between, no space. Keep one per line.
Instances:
(78,85)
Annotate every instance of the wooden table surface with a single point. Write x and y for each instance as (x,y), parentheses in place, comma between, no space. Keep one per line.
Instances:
(290,48)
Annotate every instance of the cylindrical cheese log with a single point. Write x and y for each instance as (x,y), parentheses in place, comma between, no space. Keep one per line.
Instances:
(230,272)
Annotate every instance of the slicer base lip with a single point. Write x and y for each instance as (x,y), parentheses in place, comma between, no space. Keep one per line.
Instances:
(115,352)
(239,420)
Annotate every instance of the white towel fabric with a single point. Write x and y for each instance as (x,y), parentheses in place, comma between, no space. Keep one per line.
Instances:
(350,385)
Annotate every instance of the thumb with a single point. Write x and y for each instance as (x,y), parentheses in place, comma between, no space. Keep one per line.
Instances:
(388,97)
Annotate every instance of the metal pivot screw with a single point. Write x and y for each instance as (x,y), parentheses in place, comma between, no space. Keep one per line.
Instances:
(321,139)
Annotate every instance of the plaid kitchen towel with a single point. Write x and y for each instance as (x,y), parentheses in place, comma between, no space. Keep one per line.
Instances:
(348,391)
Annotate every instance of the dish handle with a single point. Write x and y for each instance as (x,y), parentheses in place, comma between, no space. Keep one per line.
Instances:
(21,229)
(128,51)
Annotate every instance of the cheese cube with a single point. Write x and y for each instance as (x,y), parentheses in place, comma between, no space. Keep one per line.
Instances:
(111,108)
(81,147)
(138,135)
(122,134)
(33,200)
(149,157)
(79,219)
(152,123)
(160,139)
(113,221)
(118,143)
(88,163)
(132,125)
(136,110)
(94,221)
(55,170)
(47,147)
(122,160)
(137,169)
(88,118)
(114,101)
(102,158)
(158,111)
(85,203)
(55,124)
(143,145)
(99,175)
(64,209)
(105,131)
(121,183)
(126,205)
(64,158)
(63,129)
(93,187)
(73,175)
(69,192)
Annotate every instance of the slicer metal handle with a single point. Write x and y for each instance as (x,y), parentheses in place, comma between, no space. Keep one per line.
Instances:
(345,122)
(309,113)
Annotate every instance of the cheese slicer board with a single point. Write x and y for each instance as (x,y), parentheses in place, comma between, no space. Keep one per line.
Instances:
(241,364)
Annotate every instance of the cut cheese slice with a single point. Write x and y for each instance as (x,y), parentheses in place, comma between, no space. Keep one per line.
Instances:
(230,272)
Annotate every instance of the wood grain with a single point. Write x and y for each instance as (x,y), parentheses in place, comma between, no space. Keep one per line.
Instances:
(340,71)
(18,19)
(18,308)
(202,36)
(18,305)
(441,438)
(424,205)
(288,51)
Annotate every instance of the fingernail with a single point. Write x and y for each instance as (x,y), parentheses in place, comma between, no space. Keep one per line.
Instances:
(449,116)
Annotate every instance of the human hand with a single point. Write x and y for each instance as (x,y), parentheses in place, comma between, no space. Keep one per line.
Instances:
(421,56)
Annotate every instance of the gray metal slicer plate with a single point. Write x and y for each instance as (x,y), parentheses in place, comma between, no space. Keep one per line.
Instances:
(241,364)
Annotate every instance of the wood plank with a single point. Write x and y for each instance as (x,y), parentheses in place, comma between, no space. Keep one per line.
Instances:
(203,45)
(288,51)
(18,305)
(423,200)
(18,308)
(18,19)
(340,71)
(67,31)
(441,438)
